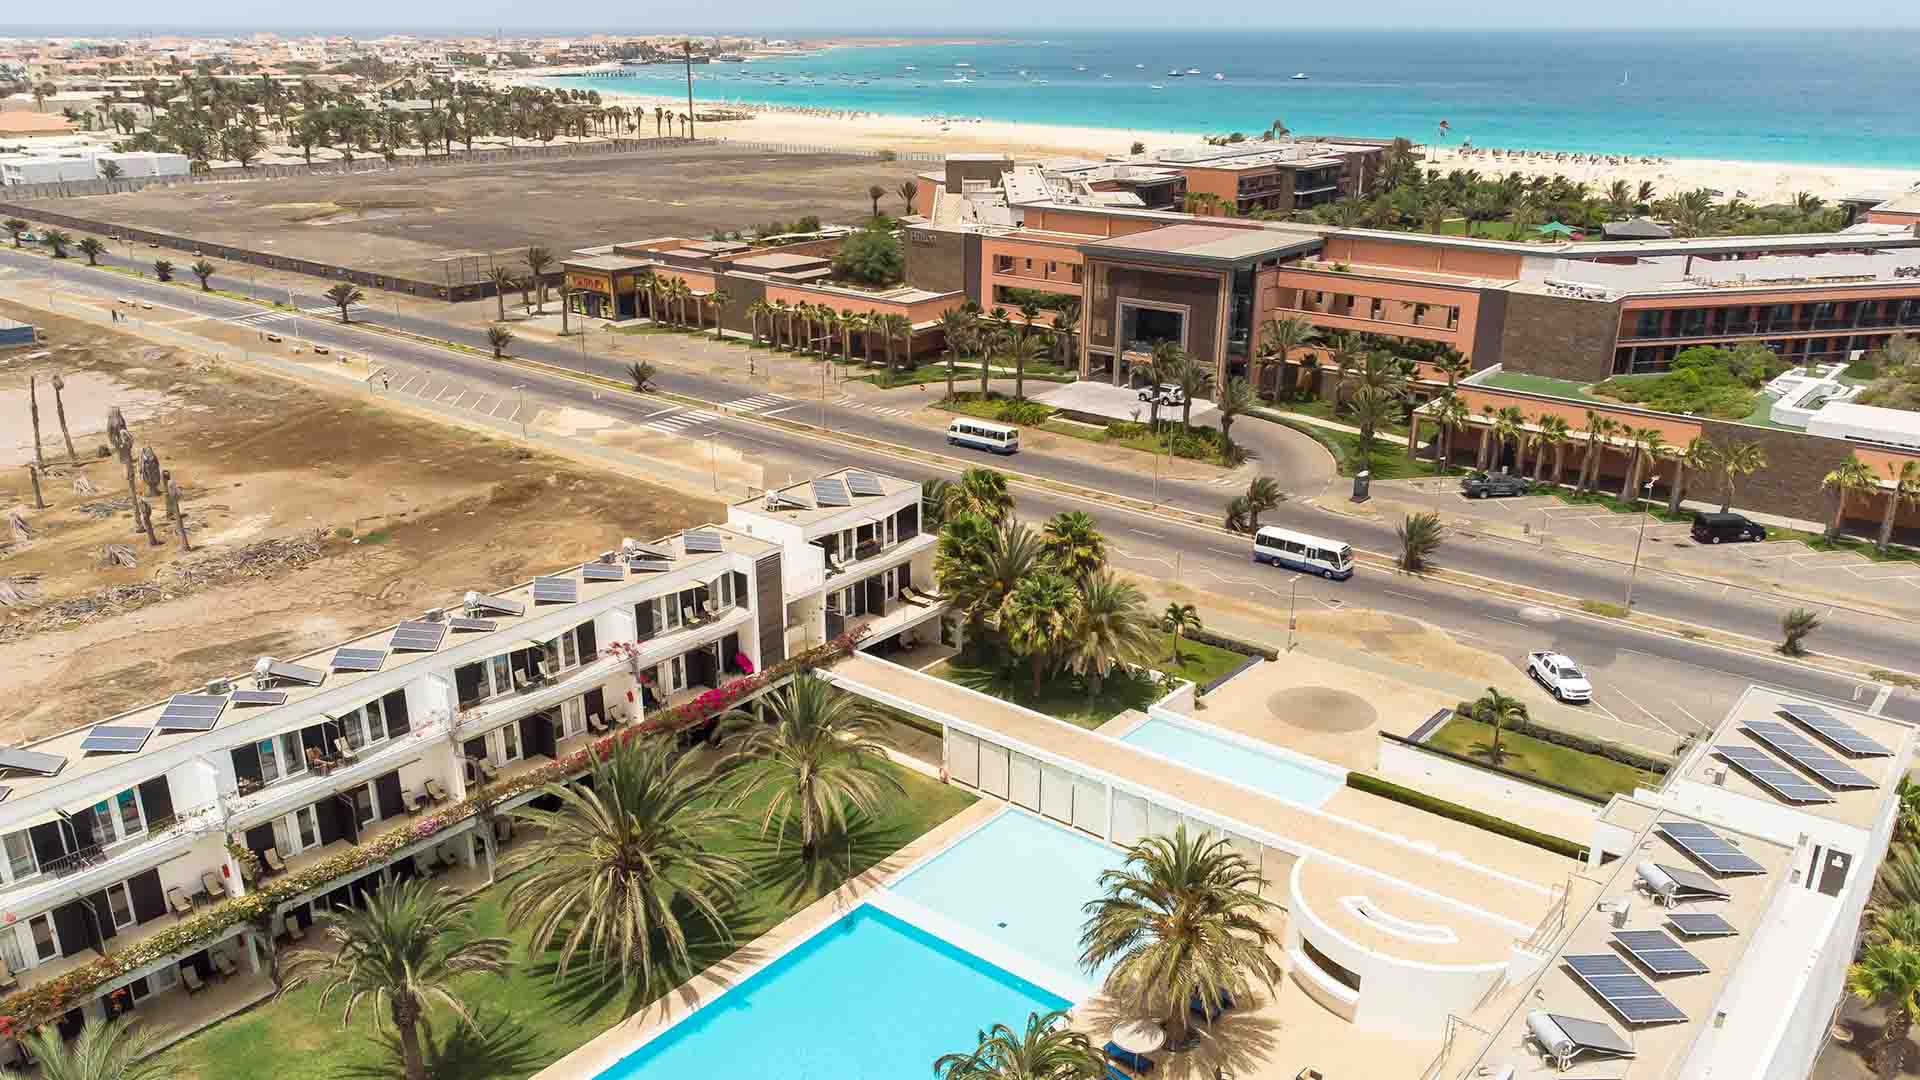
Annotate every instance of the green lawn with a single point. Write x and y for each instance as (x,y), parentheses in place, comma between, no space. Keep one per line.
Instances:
(1563,765)
(1070,698)
(1325,410)
(1387,459)
(525,1019)
(1541,384)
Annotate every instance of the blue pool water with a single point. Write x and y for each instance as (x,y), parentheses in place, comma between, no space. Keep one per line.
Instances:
(869,998)
(1243,762)
(1020,880)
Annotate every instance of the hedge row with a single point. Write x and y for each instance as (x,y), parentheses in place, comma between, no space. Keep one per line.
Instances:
(1373,785)
(1621,754)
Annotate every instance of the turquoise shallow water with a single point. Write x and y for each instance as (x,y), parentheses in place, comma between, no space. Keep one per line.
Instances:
(1840,97)
(869,998)
(1233,760)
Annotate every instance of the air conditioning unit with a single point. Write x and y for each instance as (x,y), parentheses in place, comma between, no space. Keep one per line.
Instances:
(1622,910)
(219,686)
(433,614)
(1718,774)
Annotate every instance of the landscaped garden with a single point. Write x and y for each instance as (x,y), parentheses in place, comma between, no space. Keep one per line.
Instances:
(1705,380)
(1072,698)
(1496,729)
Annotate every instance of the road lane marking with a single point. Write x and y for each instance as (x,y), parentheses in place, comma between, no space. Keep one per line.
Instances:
(1880,700)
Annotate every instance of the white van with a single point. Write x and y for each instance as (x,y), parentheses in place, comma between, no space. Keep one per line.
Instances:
(1330,559)
(983,435)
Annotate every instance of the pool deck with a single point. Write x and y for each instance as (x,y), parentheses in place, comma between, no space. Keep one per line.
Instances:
(615,1043)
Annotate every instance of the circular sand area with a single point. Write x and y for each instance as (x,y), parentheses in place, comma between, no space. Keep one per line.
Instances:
(1322,708)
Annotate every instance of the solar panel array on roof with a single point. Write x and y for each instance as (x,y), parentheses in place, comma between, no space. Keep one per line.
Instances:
(259,697)
(1708,848)
(702,541)
(1659,953)
(1693,884)
(555,590)
(649,566)
(778,500)
(358,659)
(418,635)
(191,712)
(603,571)
(32,761)
(499,605)
(1834,730)
(829,491)
(1701,924)
(299,673)
(468,625)
(1803,753)
(862,483)
(1593,1035)
(1772,775)
(1631,997)
(115,739)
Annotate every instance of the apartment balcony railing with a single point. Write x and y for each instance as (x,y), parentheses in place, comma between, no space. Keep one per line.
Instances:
(873,556)
(288,794)
(103,864)
(537,696)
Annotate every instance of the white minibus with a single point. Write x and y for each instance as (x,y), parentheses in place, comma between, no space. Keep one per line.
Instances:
(983,435)
(1283,547)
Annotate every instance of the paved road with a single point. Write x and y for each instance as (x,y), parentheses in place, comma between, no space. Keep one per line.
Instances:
(1201,558)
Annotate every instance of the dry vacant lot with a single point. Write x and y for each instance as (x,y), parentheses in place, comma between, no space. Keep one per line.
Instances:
(407,512)
(401,222)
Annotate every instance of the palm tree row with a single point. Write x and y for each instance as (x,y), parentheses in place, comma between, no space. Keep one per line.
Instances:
(819,330)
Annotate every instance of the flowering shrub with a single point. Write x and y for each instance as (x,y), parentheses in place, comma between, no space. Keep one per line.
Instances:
(40,1004)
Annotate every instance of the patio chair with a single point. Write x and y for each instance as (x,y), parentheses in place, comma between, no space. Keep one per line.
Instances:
(689,617)
(317,762)
(425,865)
(224,966)
(1135,1062)
(8,980)
(435,791)
(411,800)
(486,769)
(179,901)
(1308,1074)
(711,610)
(292,927)
(274,860)
(211,882)
(342,749)
(595,724)
(503,830)
(1199,1008)
(449,858)
(191,976)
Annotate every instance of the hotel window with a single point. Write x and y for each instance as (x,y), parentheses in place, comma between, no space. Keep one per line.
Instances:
(1052,268)
(269,762)
(1076,275)
(1375,309)
(46,944)
(1003,264)
(363,805)
(21,863)
(510,743)
(1453,318)
(1029,265)
(364,725)
(1647,324)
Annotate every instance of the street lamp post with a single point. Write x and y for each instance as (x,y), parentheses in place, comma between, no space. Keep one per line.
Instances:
(1647,490)
(1293,599)
(520,406)
(713,457)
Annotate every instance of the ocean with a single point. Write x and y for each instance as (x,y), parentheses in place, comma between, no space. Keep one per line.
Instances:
(1830,97)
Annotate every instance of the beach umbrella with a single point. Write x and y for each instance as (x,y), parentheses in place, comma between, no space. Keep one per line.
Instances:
(1554,228)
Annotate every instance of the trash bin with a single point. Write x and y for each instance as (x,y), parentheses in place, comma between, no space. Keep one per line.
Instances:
(1362,480)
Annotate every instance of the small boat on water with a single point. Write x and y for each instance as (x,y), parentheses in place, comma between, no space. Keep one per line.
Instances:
(1155,86)
(961,63)
(1105,76)
(1299,75)
(910,67)
(1173,73)
(961,79)
(1079,67)
(1193,71)
(1142,66)
(1218,77)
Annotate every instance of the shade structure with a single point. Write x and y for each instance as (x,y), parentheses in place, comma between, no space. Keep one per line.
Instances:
(1556,229)
(1139,1036)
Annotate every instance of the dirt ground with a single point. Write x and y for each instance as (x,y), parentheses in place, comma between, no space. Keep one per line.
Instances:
(411,514)
(401,222)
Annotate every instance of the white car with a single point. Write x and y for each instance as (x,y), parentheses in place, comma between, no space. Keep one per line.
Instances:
(1560,675)
(1165,393)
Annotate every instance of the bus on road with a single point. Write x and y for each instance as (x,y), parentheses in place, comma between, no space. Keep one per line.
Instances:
(1330,559)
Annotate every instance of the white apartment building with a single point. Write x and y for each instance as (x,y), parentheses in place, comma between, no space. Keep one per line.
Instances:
(116,830)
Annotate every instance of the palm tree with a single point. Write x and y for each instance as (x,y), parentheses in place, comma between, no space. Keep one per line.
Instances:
(344,295)
(1795,626)
(1370,409)
(623,867)
(1850,477)
(1232,401)
(1263,494)
(1166,358)
(1348,354)
(538,259)
(1508,425)
(16,226)
(1420,535)
(954,331)
(403,953)
(980,564)
(1282,337)
(1238,516)
(1182,919)
(1697,455)
(92,248)
(110,171)
(1498,712)
(1038,619)
(117,1049)
(1600,431)
(896,325)
(718,300)
(1905,491)
(1552,435)
(820,761)
(907,190)
(203,270)
(163,269)
(756,311)
(1454,366)
(935,497)
(1888,974)
(1179,620)
(1449,414)
(57,241)
(782,316)
(1047,1050)
(1112,627)
(1023,351)
(1194,378)
(499,337)
(1074,545)
(875,192)
(503,282)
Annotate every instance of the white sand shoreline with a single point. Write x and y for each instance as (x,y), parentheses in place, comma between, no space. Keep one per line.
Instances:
(1758,182)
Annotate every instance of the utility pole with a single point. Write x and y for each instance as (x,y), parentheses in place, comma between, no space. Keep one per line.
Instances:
(686,52)
(1647,490)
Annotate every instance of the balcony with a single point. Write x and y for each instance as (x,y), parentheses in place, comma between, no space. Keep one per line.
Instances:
(873,556)
(901,614)
(542,695)
(99,866)
(290,794)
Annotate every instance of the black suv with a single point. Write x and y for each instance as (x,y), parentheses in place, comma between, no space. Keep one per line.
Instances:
(1716,528)
(1482,485)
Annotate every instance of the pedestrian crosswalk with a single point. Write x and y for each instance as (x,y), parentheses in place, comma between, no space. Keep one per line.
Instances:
(678,421)
(756,403)
(880,410)
(268,318)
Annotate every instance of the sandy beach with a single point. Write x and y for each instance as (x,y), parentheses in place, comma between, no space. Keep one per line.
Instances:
(1755,181)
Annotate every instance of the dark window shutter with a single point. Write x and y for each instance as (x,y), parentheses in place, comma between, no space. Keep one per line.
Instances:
(589,641)
(394,706)
(246,763)
(74,927)
(386,792)
(100,918)
(157,797)
(149,901)
(475,748)
(83,830)
(260,838)
(315,738)
(328,814)
(643,620)
(467,681)
(739,589)
(49,842)
(596,702)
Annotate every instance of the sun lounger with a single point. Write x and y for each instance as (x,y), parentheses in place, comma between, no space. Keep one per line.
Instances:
(275,862)
(1114,1073)
(595,724)
(179,901)
(435,791)
(710,609)
(292,927)
(223,964)
(1308,1074)
(1199,1007)
(344,751)
(191,976)
(411,799)
(520,680)
(211,882)
(503,829)
(1128,1058)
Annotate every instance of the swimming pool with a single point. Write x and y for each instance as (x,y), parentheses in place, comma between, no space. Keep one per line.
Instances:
(871,997)
(1018,881)
(1242,760)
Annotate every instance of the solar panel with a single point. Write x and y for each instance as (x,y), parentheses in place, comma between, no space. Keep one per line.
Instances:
(701,541)
(831,492)
(4,792)
(1592,1035)
(861,483)
(1693,884)
(462,623)
(1701,924)
(649,566)
(1803,753)
(1772,775)
(115,739)
(418,635)
(603,571)
(499,606)
(655,551)
(555,590)
(259,697)
(358,659)
(191,712)
(280,669)
(1834,730)
(1631,997)
(30,761)
(1659,953)
(1708,848)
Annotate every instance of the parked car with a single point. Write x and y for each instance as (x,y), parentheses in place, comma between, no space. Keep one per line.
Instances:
(319,349)
(1560,675)
(1711,528)
(1166,393)
(1483,485)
